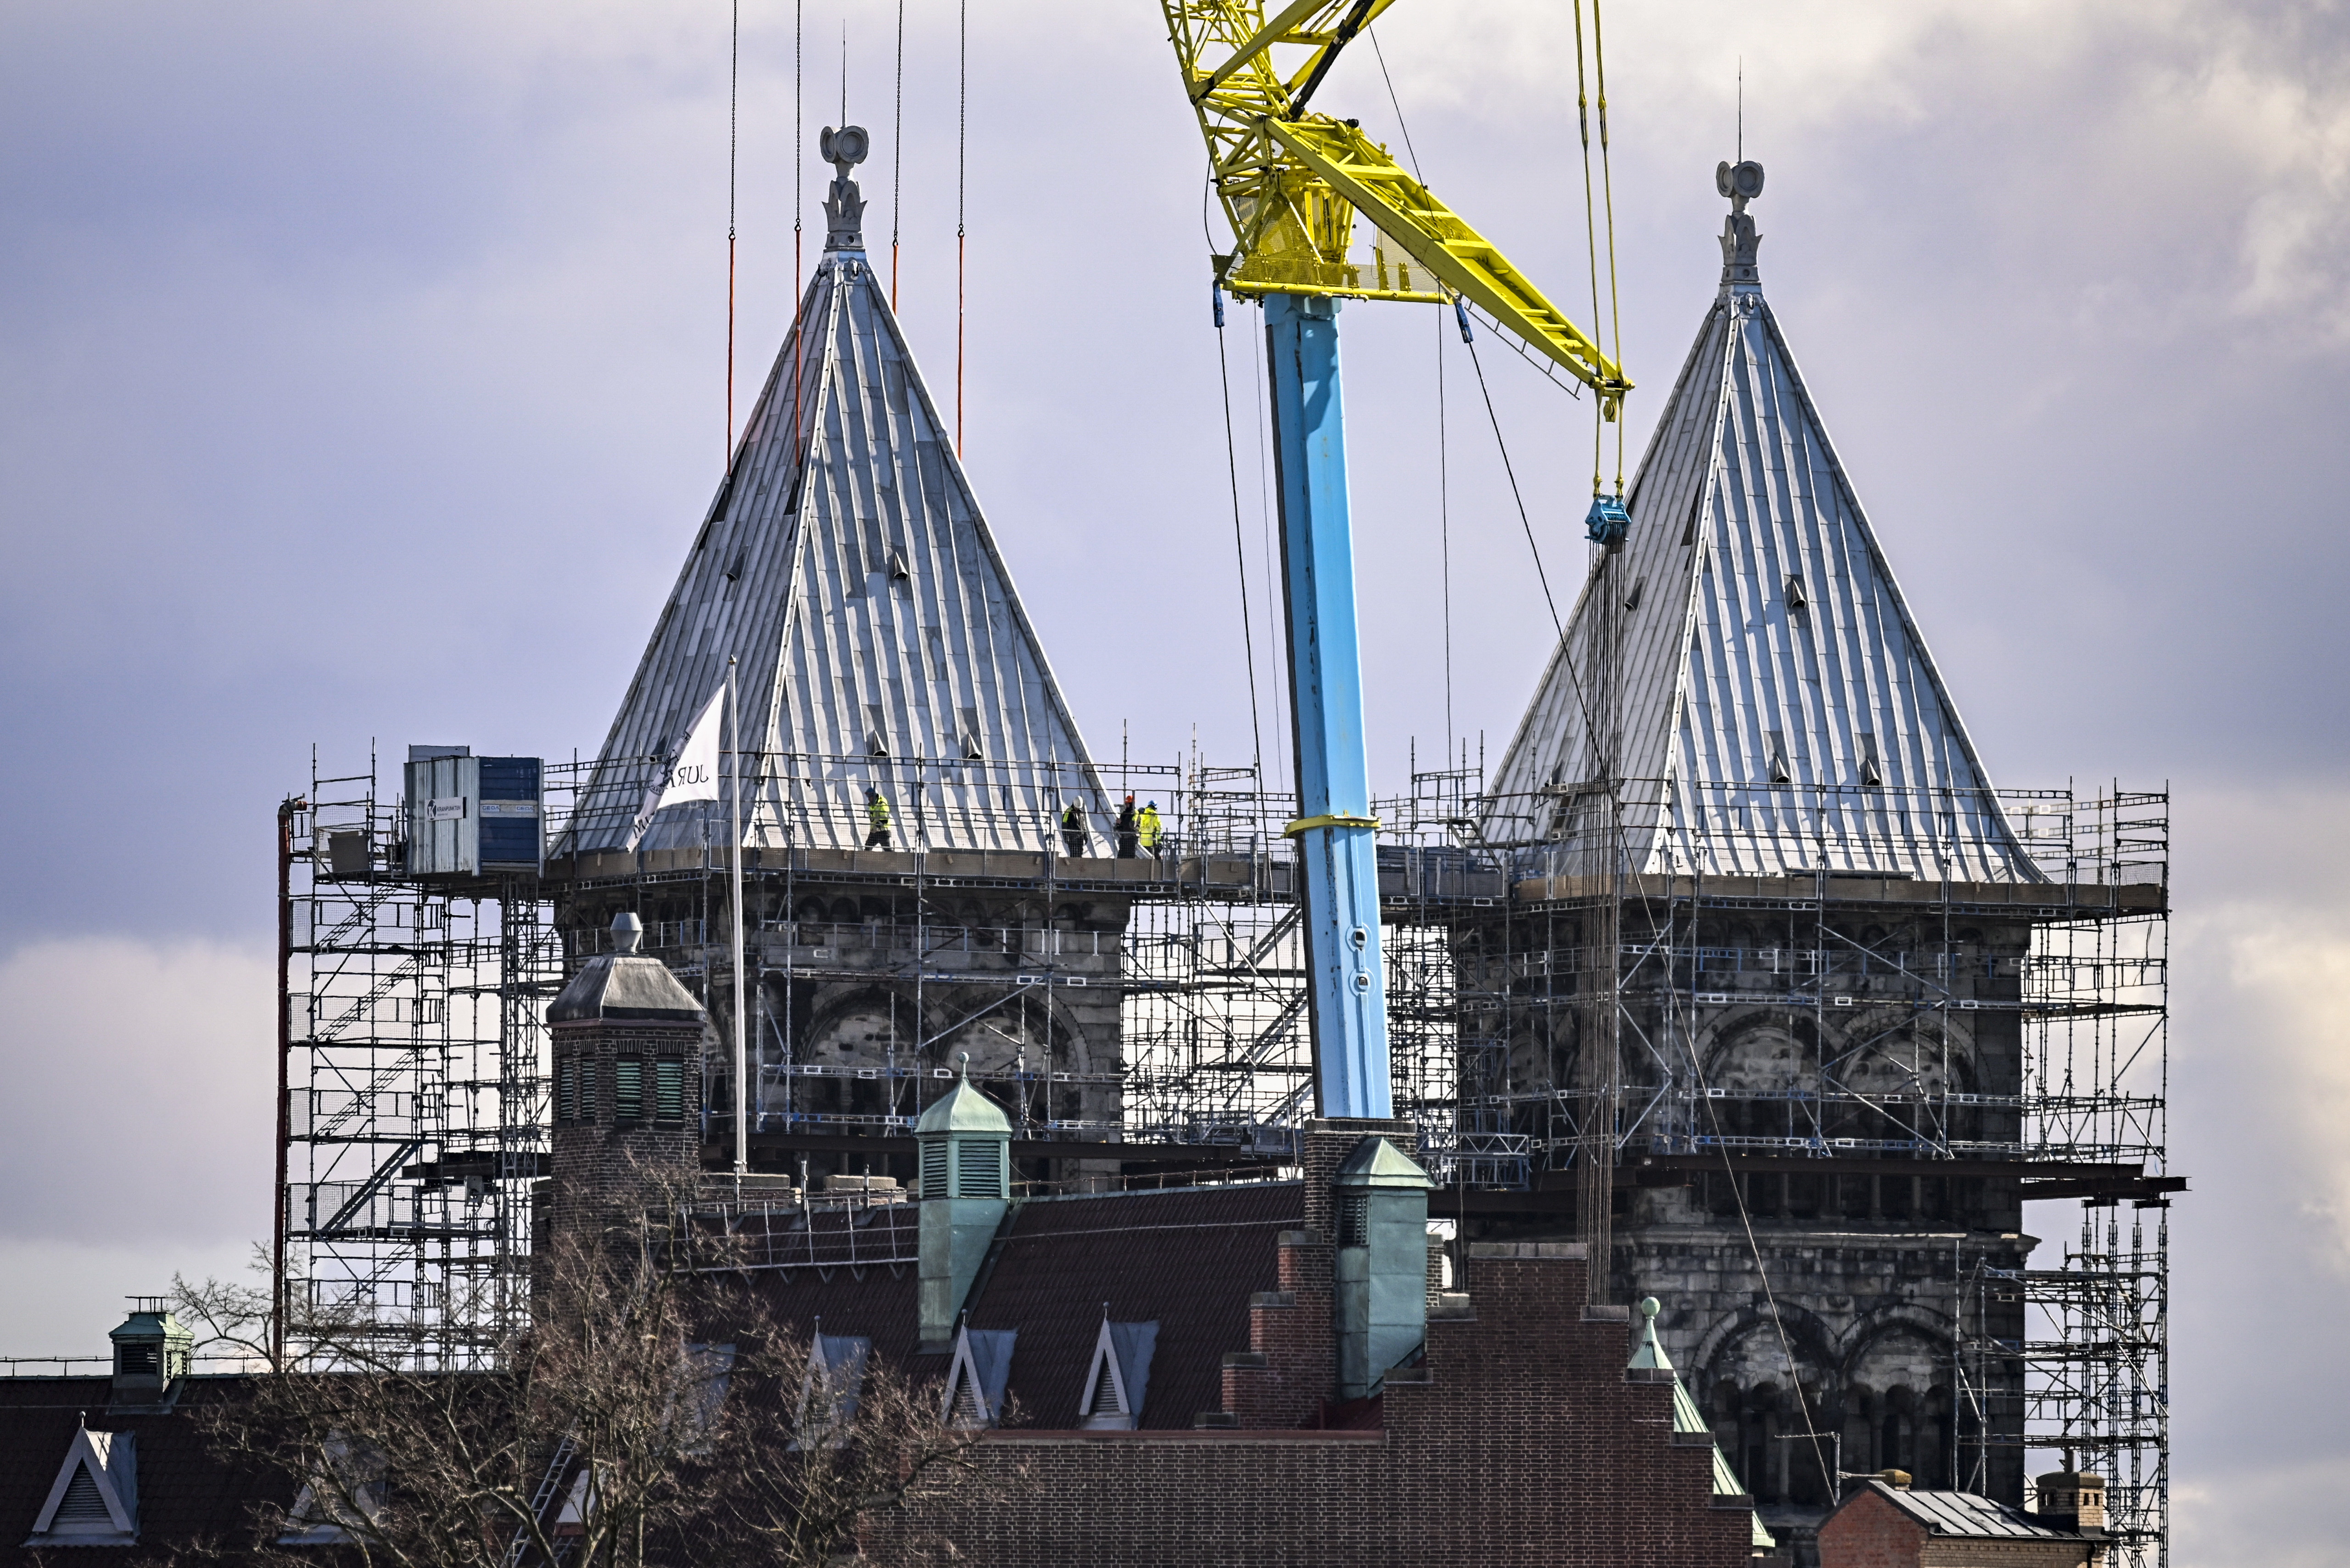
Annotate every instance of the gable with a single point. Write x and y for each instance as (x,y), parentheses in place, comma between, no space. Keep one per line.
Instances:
(94,1501)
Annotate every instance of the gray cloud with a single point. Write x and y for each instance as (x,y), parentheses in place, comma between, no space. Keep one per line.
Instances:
(360,376)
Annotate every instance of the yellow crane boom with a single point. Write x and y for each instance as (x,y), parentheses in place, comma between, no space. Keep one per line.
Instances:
(1291,182)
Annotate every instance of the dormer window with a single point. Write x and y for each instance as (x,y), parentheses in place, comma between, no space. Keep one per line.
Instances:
(1116,1380)
(976,1378)
(832,1390)
(94,1502)
(346,1490)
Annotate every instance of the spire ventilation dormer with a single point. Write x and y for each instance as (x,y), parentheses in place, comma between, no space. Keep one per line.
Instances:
(1119,1375)
(833,1389)
(978,1377)
(94,1502)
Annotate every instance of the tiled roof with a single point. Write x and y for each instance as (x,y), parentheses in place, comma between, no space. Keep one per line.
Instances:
(186,1493)
(1967,1514)
(1186,1259)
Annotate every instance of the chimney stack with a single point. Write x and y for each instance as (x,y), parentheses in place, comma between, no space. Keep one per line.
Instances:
(2068,1500)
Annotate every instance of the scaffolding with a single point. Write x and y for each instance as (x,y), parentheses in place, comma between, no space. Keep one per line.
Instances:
(416,1093)
(420,1097)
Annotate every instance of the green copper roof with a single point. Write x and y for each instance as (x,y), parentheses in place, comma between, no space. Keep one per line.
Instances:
(963,1109)
(1650,1356)
(1376,1162)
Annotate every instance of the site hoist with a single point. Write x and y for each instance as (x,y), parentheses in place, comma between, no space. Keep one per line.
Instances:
(1292,182)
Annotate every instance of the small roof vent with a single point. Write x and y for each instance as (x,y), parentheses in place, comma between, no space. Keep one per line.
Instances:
(1115,1382)
(94,1502)
(1797,597)
(976,1379)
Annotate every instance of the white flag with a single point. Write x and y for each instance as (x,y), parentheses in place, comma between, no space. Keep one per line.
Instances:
(691,775)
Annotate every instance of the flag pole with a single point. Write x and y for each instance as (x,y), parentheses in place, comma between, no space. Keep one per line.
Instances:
(741,1049)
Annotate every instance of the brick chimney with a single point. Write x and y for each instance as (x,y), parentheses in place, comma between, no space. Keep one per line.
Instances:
(628,1081)
(2069,1500)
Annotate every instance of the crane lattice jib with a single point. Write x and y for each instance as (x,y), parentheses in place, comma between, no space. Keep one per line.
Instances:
(1291,183)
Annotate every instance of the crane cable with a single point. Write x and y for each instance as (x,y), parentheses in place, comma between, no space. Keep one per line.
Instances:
(1590,230)
(1607,197)
(898,158)
(962,122)
(733,106)
(1443,454)
(799,296)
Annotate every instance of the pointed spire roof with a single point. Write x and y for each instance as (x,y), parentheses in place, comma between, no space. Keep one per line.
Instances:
(845,566)
(1779,710)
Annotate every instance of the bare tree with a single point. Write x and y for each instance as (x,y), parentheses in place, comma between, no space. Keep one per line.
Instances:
(654,1412)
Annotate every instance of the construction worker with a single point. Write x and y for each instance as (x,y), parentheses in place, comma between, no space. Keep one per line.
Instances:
(1073,830)
(1146,827)
(1127,831)
(876,820)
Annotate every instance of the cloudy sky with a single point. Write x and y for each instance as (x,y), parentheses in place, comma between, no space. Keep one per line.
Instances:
(361,381)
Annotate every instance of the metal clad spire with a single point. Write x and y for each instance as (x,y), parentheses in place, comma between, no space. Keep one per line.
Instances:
(1781,712)
(882,642)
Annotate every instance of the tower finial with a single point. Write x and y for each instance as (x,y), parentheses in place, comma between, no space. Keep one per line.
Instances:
(1741,181)
(1648,1353)
(844,203)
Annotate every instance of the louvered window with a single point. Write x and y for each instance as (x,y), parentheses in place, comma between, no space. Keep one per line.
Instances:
(566,1089)
(138,1360)
(668,1090)
(982,1169)
(1354,1220)
(82,1504)
(934,1167)
(1105,1399)
(628,1090)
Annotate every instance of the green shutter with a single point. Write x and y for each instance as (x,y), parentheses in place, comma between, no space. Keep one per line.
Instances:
(934,1167)
(628,1090)
(982,1168)
(668,1090)
(566,1089)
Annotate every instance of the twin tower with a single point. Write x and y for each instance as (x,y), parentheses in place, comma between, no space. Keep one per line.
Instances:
(1748,941)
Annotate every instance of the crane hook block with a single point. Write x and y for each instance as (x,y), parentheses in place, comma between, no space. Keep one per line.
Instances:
(1607,522)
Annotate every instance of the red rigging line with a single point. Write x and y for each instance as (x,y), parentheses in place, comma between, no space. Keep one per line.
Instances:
(734,108)
(897,158)
(799,294)
(962,121)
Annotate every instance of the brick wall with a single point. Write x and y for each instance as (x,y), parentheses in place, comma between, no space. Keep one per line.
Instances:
(1869,1532)
(1521,1440)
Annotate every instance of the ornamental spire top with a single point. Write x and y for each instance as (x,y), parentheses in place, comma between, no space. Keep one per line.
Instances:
(844,203)
(1741,183)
